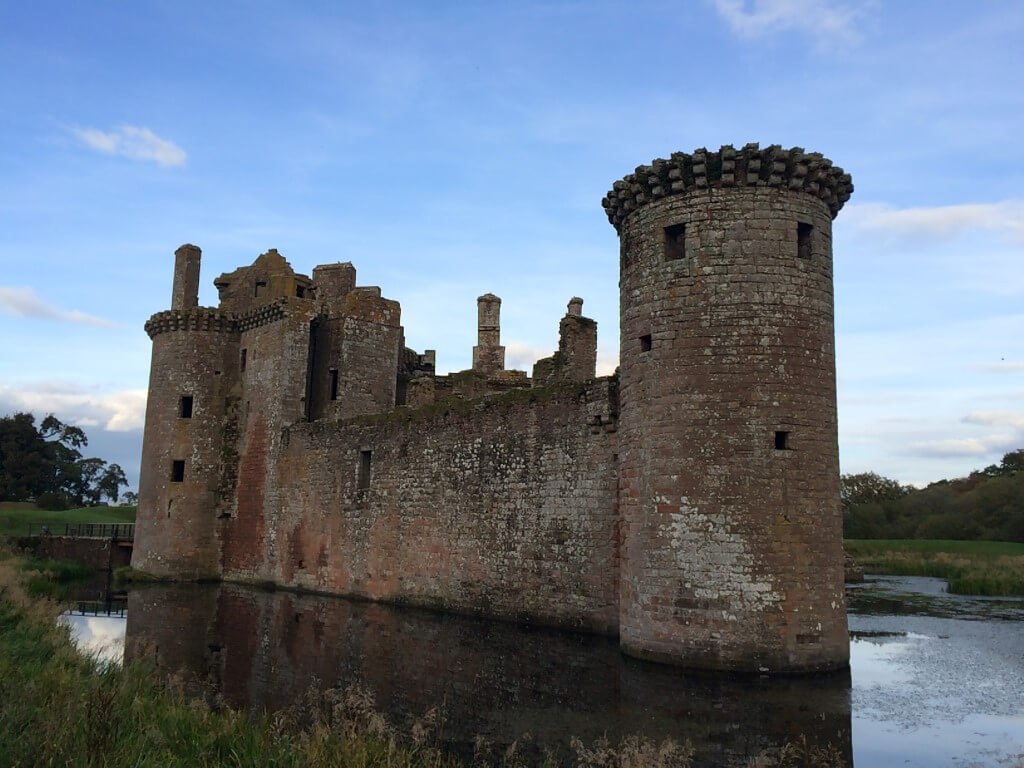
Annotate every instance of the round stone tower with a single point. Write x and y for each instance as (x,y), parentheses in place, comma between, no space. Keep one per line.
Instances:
(731,528)
(194,362)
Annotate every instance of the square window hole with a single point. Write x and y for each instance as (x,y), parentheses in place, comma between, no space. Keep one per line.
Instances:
(781,441)
(675,242)
(645,343)
(803,239)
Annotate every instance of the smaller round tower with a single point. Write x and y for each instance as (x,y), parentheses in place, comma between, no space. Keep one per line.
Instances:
(731,530)
(195,361)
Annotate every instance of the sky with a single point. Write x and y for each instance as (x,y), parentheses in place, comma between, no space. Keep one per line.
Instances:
(449,149)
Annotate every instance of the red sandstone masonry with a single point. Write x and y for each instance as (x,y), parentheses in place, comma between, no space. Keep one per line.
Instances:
(505,508)
(720,493)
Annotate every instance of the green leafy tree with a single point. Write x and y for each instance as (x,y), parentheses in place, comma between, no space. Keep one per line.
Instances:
(26,461)
(110,482)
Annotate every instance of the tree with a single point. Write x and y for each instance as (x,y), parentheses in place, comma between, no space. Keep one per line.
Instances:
(131,498)
(110,482)
(26,461)
(870,488)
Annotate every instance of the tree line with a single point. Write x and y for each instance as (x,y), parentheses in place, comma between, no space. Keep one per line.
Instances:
(988,504)
(45,464)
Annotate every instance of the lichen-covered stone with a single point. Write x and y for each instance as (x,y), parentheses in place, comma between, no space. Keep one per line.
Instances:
(690,506)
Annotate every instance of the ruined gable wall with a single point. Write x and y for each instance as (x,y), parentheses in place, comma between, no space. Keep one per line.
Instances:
(502,507)
(272,395)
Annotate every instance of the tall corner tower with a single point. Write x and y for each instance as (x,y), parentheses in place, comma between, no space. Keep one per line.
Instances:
(731,528)
(194,363)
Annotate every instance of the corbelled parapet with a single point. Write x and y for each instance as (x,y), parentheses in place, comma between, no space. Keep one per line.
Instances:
(196,319)
(791,169)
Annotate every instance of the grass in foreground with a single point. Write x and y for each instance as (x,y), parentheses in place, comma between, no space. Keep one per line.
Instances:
(60,708)
(15,517)
(992,568)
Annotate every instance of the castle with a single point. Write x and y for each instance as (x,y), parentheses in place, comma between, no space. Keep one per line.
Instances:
(688,505)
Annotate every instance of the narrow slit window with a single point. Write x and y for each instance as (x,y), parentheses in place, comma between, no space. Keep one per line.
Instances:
(675,242)
(245,355)
(645,343)
(804,233)
(334,384)
(185,407)
(781,441)
(178,471)
(365,458)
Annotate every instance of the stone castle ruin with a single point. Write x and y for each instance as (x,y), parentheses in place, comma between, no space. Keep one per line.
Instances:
(688,505)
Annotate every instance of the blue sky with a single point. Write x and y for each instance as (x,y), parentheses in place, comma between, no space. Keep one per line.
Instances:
(449,149)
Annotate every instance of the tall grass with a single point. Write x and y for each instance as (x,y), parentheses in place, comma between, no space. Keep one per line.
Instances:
(992,568)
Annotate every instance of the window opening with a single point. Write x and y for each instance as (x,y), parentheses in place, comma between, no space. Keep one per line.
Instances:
(803,240)
(300,291)
(178,471)
(364,469)
(675,242)
(645,343)
(334,384)
(185,407)
(245,354)
(782,441)
(260,289)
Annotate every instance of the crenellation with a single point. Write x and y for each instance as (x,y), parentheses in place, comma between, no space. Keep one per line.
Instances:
(687,505)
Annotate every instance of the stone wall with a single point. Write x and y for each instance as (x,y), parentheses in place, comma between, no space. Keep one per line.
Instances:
(731,526)
(99,554)
(503,507)
(194,356)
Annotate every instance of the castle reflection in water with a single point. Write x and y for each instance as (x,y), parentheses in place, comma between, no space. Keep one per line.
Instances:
(493,680)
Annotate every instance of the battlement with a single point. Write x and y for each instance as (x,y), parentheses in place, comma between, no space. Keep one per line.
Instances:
(195,319)
(689,505)
(790,169)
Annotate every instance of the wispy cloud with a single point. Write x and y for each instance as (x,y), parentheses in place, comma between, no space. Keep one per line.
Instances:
(820,18)
(1008,366)
(1007,435)
(521,357)
(133,142)
(23,302)
(122,411)
(1005,218)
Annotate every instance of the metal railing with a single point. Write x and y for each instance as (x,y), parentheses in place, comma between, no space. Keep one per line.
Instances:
(113,531)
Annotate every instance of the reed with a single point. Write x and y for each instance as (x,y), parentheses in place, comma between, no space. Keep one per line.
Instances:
(985,568)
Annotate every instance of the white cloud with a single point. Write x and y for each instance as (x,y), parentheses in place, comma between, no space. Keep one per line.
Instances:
(1006,434)
(824,19)
(23,302)
(996,419)
(1008,366)
(521,357)
(122,411)
(133,142)
(940,222)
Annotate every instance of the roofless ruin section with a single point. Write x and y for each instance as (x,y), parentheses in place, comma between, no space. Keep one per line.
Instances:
(688,505)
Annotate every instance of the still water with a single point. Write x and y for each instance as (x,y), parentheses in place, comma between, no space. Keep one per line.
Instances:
(937,679)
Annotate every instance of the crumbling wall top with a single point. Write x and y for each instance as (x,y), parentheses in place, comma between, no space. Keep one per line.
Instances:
(773,166)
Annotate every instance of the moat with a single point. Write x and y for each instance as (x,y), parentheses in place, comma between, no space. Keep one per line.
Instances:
(936,679)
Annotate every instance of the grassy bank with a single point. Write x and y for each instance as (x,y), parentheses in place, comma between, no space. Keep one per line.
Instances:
(994,568)
(15,517)
(62,709)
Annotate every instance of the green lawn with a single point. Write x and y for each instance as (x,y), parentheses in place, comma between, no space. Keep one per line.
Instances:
(971,567)
(15,517)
